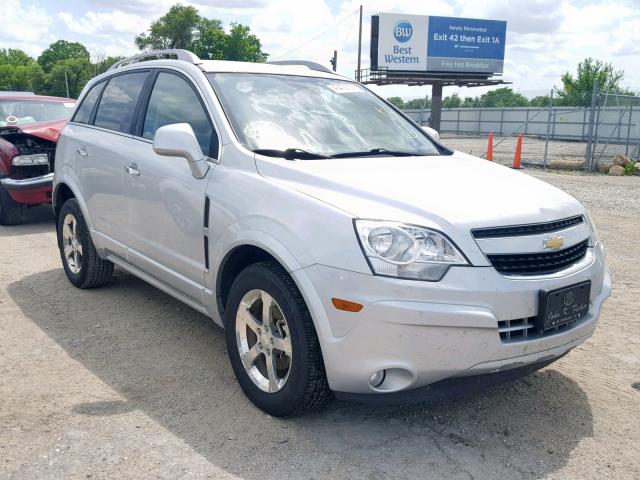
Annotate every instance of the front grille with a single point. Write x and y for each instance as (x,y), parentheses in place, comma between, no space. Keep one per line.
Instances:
(530,229)
(524,329)
(539,263)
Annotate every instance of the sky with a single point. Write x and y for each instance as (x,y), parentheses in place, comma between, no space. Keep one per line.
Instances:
(545,38)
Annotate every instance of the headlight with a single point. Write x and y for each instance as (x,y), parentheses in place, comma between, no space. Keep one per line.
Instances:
(594,232)
(34,159)
(407,251)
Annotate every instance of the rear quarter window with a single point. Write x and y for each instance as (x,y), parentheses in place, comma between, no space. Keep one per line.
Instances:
(117,106)
(83,114)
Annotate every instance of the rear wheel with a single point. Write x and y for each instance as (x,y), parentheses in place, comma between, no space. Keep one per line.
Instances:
(10,211)
(83,266)
(272,343)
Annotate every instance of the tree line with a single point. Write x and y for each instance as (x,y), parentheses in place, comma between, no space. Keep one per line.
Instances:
(576,91)
(64,68)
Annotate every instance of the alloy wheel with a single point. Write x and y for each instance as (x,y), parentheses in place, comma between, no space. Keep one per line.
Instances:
(263,341)
(71,244)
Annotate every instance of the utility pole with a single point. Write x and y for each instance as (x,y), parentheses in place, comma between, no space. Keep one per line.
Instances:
(358,75)
(334,60)
(66,83)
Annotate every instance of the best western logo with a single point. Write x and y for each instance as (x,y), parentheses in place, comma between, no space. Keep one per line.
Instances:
(402,31)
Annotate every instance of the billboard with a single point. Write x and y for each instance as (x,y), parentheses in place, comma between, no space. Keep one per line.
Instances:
(437,44)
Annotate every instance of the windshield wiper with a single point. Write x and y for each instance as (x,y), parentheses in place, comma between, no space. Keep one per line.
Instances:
(377,151)
(289,153)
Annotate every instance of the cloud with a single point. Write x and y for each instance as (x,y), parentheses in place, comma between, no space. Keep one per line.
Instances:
(147,7)
(24,27)
(104,23)
(525,16)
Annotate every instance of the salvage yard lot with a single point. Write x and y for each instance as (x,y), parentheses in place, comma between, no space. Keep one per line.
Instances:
(126,382)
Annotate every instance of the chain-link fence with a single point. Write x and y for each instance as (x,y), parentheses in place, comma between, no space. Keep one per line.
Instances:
(583,131)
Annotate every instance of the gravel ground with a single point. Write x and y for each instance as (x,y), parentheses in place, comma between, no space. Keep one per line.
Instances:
(125,382)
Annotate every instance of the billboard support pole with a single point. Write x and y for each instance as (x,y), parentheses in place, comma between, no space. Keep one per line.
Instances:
(436,105)
(358,76)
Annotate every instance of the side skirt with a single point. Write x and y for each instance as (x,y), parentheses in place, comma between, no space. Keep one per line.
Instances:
(157,283)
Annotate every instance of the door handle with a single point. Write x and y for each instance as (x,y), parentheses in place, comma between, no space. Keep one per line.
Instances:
(82,151)
(132,169)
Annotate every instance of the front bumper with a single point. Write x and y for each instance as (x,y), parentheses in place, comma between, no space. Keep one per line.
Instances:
(449,387)
(30,191)
(424,332)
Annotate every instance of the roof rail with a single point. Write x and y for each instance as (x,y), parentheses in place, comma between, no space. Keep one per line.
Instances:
(180,54)
(311,65)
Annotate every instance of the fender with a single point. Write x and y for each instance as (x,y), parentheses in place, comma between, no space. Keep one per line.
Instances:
(231,240)
(69,178)
(225,243)
(258,239)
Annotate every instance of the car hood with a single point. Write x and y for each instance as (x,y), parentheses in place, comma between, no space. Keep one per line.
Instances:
(437,191)
(45,130)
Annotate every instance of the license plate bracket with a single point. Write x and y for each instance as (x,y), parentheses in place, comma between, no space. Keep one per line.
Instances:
(562,305)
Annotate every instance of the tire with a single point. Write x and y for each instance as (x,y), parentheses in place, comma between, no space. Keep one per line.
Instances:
(10,211)
(305,386)
(83,266)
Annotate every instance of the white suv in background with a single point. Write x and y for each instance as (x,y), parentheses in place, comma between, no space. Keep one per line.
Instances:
(342,248)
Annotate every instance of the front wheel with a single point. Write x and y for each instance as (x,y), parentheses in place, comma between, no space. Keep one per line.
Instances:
(83,266)
(10,211)
(272,343)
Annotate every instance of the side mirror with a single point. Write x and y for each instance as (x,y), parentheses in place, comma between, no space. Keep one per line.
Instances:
(178,140)
(432,132)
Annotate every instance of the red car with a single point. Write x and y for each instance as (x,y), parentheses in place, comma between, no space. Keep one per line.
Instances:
(29,129)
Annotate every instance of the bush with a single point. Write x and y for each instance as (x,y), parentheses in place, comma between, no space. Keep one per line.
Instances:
(630,168)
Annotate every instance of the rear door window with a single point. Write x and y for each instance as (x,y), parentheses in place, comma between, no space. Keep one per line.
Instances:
(174,100)
(117,106)
(83,114)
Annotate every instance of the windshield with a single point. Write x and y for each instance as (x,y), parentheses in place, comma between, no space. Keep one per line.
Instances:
(318,117)
(24,112)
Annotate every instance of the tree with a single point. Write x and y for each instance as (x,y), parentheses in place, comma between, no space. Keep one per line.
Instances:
(452,101)
(417,103)
(61,50)
(183,27)
(18,71)
(175,29)
(540,101)
(471,102)
(102,63)
(27,78)
(396,101)
(241,45)
(503,97)
(211,41)
(578,90)
(10,56)
(78,72)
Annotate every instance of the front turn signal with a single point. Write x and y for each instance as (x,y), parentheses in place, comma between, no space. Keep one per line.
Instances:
(346,305)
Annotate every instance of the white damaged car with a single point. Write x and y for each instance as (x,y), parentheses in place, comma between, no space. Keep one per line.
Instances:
(342,248)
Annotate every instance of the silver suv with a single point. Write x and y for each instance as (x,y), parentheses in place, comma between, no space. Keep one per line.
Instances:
(343,249)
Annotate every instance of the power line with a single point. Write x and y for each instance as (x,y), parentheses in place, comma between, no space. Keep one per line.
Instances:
(317,36)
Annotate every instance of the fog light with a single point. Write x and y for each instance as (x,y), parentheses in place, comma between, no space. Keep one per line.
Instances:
(377,378)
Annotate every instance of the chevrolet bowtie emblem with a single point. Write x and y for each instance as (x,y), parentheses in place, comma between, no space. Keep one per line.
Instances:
(554,243)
